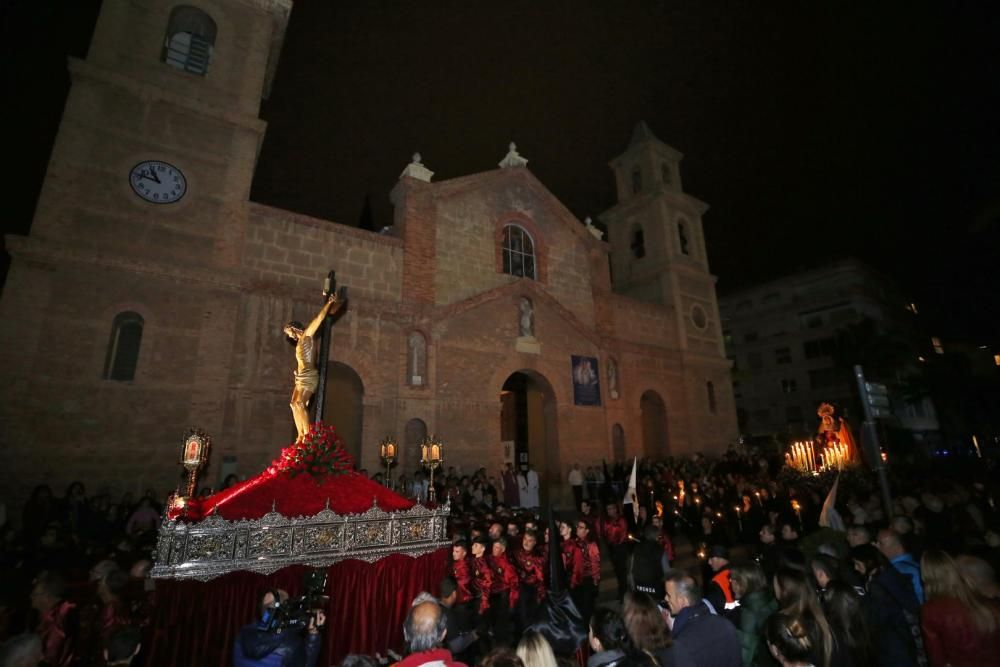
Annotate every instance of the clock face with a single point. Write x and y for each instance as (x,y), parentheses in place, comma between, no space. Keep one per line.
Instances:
(157,182)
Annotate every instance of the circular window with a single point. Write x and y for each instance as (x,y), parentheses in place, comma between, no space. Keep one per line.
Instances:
(698,317)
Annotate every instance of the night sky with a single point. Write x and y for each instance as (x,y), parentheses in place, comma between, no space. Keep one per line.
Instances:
(815,131)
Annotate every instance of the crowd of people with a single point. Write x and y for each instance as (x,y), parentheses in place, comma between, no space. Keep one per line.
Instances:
(728,561)
(74,579)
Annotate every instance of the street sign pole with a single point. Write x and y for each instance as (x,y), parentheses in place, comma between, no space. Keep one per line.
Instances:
(875,402)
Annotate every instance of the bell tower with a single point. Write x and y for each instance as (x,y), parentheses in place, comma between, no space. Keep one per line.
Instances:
(658,248)
(121,306)
(658,255)
(160,133)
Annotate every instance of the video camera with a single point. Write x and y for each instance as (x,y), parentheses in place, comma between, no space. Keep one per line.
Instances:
(296,613)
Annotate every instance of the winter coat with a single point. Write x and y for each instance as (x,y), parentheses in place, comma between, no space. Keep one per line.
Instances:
(952,638)
(709,639)
(893,617)
(755,609)
(259,648)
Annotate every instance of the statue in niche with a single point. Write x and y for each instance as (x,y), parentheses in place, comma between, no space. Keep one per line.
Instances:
(613,378)
(417,358)
(527,324)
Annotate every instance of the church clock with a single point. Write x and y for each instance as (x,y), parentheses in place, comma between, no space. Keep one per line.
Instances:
(157,182)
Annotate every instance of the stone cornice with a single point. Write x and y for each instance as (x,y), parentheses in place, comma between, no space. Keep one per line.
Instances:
(680,200)
(81,69)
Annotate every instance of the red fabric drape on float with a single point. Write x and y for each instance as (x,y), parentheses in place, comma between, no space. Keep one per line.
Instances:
(196,623)
(301,495)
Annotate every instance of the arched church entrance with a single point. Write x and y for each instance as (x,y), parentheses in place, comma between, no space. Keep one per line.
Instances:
(344,406)
(654,425)
(528,424)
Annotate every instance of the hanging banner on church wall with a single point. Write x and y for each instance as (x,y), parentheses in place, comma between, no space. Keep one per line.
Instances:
(586,381)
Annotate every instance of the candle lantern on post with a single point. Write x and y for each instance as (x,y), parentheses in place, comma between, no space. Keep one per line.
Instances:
(194,455)
(387,452)
(431,456)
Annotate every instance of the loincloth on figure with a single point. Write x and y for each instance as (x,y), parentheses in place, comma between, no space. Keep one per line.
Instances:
(307,380)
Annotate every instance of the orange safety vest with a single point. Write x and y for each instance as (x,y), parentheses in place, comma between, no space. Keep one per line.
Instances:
(722,579)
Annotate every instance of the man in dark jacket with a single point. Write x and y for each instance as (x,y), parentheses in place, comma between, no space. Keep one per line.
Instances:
(648,564)
(259,646)
(710,639)
(892,610)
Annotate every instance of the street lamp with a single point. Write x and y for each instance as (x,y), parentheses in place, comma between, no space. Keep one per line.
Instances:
(431,456)
(387,452)
(194,455)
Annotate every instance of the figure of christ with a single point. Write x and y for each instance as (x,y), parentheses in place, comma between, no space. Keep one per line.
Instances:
(306,374)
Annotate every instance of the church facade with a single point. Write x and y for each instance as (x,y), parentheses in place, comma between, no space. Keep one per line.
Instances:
(151,292)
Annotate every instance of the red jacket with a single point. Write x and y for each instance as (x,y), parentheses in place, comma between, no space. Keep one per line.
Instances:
(591,560)
(436,656)
(951,638)
(462,571)
(505,578)
(531,568)
(573,562)
(482,582)
(615,530)
(57,629)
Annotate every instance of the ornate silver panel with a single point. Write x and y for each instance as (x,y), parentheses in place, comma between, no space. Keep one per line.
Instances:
(216,546)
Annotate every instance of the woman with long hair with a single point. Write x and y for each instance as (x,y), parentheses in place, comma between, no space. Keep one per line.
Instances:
(825,570)
(534,650)
(796,597)
(846,616)
(749,586)
(648,631)
(611,644)
(790,641)
(960,626)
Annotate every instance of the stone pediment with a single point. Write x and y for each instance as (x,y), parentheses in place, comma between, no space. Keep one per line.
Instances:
(498,178)
(541,299)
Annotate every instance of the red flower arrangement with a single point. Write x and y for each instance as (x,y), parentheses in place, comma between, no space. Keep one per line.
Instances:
(320,454)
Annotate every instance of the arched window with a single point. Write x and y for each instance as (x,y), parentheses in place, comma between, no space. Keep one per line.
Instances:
(518,252)
(665,173)
(682,238)
(636,180)
(123,348)
(710,388)
(190,40)
(638,243)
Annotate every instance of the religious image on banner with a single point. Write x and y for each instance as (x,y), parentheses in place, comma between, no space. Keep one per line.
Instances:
(586,382)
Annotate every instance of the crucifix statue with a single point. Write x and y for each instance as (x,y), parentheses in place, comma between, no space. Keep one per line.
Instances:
(307,377)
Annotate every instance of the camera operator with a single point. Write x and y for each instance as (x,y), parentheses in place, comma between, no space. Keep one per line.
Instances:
(261,644)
